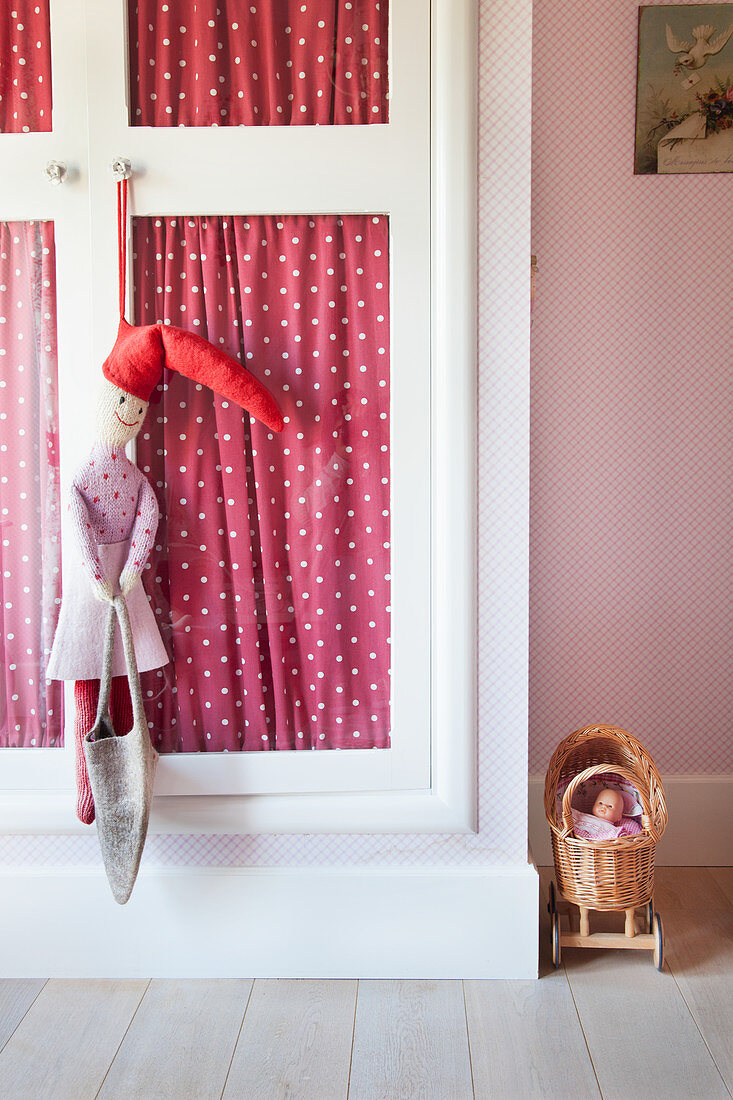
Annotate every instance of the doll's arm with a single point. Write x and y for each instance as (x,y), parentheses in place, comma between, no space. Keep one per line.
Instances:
(142,538)
(91,563)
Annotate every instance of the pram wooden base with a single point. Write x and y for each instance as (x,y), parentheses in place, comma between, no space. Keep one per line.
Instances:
(563,913)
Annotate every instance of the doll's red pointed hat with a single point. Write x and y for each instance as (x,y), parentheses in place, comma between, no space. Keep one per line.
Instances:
(136,364)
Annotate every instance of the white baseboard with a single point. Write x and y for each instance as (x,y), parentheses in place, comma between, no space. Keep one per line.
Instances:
(700,828)
(339,923)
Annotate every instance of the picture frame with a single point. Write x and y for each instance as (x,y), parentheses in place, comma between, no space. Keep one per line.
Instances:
(684,93)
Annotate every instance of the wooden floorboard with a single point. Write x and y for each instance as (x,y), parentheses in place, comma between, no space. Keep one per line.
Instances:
(16,997)
(180,1043)
(641,1035)
(410,1040)
(526,1040)
(683,1015)
(687,888)
(724,878)
(700,956)
(295,1041)
(63,1047)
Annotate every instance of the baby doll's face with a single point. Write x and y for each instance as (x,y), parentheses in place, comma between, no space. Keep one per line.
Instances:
(120,415)
(609,806)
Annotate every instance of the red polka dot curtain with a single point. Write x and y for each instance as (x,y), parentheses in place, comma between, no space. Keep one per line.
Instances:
(271,577)
(31,711)
(265,63)
(25,66)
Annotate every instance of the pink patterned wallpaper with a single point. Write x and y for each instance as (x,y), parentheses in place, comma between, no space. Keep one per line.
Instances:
(632,350)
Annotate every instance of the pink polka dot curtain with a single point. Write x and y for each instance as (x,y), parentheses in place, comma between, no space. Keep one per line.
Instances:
(271,578)
(265,63)
(25,66)
(31,712)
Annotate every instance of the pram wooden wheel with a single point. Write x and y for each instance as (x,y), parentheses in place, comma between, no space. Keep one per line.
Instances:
(658,933)
(649,915)
(556,939)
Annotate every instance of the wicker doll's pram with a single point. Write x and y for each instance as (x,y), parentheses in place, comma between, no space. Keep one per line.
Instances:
(605,874)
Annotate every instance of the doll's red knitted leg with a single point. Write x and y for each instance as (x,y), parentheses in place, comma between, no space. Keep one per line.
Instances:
(86,696)
(120,705)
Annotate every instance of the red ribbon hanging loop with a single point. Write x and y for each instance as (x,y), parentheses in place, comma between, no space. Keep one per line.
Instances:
(122,240)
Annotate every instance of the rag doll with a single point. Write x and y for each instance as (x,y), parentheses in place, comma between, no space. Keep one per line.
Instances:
(114,515)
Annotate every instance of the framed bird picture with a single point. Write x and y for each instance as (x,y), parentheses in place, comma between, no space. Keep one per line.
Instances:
(684,93)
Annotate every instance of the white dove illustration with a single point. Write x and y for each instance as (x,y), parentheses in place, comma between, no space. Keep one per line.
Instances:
(694,57)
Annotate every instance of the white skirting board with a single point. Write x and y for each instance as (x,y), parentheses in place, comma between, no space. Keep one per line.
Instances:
(699,832)
(232,922)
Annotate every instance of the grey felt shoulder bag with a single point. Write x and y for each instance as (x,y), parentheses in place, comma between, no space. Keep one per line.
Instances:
(121,769)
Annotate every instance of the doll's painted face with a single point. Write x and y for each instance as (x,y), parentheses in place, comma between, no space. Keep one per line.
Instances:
(609,806)
(120,415)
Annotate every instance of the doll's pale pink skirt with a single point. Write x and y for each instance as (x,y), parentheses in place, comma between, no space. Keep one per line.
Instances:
(77,646)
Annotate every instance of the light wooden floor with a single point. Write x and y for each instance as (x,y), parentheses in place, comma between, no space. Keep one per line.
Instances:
(607,1024)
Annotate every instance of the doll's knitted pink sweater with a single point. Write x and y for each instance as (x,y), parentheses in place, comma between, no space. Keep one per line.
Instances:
(111,501)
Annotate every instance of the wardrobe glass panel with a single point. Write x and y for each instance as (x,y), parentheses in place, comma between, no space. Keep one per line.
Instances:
(25,67)
(31,709)
(268,63)
(271,576)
